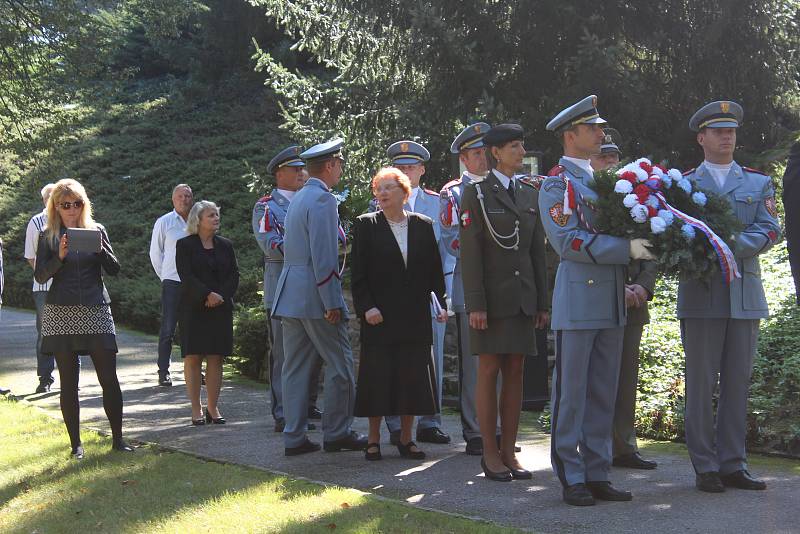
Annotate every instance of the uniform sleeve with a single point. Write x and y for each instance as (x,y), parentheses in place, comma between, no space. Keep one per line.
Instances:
(539,262)
(647,276)
(448,219)
(183,261)
(471,229)
(323,237)
(569,239)
(764,232)
(157,247)
(267,232)
(359,268)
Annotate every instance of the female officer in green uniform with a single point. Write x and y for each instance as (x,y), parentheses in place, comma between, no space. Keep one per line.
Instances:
(505,290)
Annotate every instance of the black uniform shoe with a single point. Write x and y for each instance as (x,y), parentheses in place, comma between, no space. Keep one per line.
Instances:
(164,380)
(633,461)
(709,482)
(280,424)
(308,446)
(474,447)
(44,386)
(394,438)
(604,491)
(314,413)
(432,435)
(743,480)
(578,495)
(354,442)
(517,448)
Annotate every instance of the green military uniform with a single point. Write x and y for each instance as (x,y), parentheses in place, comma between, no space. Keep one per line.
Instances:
(503,263)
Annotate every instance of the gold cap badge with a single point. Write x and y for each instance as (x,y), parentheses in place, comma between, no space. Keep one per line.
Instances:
(404,147)
(725,106)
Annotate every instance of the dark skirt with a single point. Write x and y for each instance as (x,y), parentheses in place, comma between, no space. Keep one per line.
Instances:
(506,335)
(396,380)
(206,331)
(78,329)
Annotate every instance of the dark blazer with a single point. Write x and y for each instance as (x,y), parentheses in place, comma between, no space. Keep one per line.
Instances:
(381,280)
(77,279)
(791,212)
(197,278)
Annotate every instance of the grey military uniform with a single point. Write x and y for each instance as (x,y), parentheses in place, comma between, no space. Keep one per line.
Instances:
(719,326)
(589,316)
(310,284)
(269,214)
(643,273)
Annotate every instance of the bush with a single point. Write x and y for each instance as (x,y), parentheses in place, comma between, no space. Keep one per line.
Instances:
(251,342)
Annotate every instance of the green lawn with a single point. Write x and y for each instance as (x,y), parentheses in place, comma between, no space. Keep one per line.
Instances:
(152,490)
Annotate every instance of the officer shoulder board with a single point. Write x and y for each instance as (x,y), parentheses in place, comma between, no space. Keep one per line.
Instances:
(555,171)
(431,192)
(755,171)
(265,198)
(452,183)
(690,171)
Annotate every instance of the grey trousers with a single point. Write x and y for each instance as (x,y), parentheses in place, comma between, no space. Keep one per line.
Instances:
(435,420)
(625,406)
(303,340)
(584,391)
(276,370)
(722,348)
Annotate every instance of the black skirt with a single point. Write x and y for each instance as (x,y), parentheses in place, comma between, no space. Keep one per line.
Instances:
(206,331)
(396,380)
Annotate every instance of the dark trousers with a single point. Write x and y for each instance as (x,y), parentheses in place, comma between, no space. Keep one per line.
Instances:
(170,294)
(44,363)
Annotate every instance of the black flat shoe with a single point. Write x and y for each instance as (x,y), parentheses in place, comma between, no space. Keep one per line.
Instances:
(216,421)
(432,435)
(604,491)
(633,461)
(406,452)
(77,453)
(372,456)
(709,482)
(121,446)
(308,446)
(577,495)
(500,476)
(743,480)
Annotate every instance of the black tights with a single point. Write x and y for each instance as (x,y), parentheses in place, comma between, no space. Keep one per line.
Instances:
(105,363)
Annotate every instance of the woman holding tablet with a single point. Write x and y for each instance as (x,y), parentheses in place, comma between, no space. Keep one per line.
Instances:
(76,318)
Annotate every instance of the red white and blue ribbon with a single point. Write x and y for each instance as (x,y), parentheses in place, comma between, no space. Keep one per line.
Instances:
(573,202)
(727,261)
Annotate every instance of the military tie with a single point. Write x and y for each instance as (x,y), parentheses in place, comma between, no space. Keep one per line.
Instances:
(511,191)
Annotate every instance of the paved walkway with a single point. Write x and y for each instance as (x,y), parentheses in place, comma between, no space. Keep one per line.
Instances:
(664,500)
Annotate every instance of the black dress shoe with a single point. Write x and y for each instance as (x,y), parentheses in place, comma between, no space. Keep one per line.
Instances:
(519,474)
(306,447)
(406,452)
(394,438)
(709,482)
(577,495)
(121,446)
(374,455)
(216,421)
(164,380)
(517,448)
(314,413)
(354,442)
(474,447)
(498,476)
(743,480)
(604,491)
(280,424)
(633,461)
(44,385)
(432,435)
(77,453)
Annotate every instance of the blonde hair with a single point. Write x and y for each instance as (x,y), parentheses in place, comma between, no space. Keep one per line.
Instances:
(67,188)
(193,221)
(394,173)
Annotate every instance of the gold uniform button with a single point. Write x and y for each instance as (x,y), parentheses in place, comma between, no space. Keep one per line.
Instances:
(749,200)
(590,281)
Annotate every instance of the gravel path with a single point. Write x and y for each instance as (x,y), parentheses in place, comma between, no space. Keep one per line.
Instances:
(664,500)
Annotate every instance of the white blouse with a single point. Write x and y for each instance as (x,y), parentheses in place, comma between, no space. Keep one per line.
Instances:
(400,231)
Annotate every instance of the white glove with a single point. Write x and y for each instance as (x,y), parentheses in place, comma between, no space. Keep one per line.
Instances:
(640,249)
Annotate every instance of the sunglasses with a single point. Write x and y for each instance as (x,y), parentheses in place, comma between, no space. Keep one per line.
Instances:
(78,204)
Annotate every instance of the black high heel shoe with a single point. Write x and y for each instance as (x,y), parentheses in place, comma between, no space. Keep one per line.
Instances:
(216,421)
(498,476)
(77,453)
(121,446)
(406,452)
(519,474)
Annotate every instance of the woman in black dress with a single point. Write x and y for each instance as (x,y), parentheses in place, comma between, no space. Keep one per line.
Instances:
(396,268)
(209,276)
(76,318)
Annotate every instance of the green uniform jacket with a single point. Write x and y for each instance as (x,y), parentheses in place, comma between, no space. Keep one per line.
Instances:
(644,273)
(498,281)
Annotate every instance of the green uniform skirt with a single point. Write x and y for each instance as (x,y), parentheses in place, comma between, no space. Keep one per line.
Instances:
(506,335)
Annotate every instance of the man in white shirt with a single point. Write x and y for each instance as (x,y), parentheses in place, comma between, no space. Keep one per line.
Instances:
(169,228)
(44,363)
